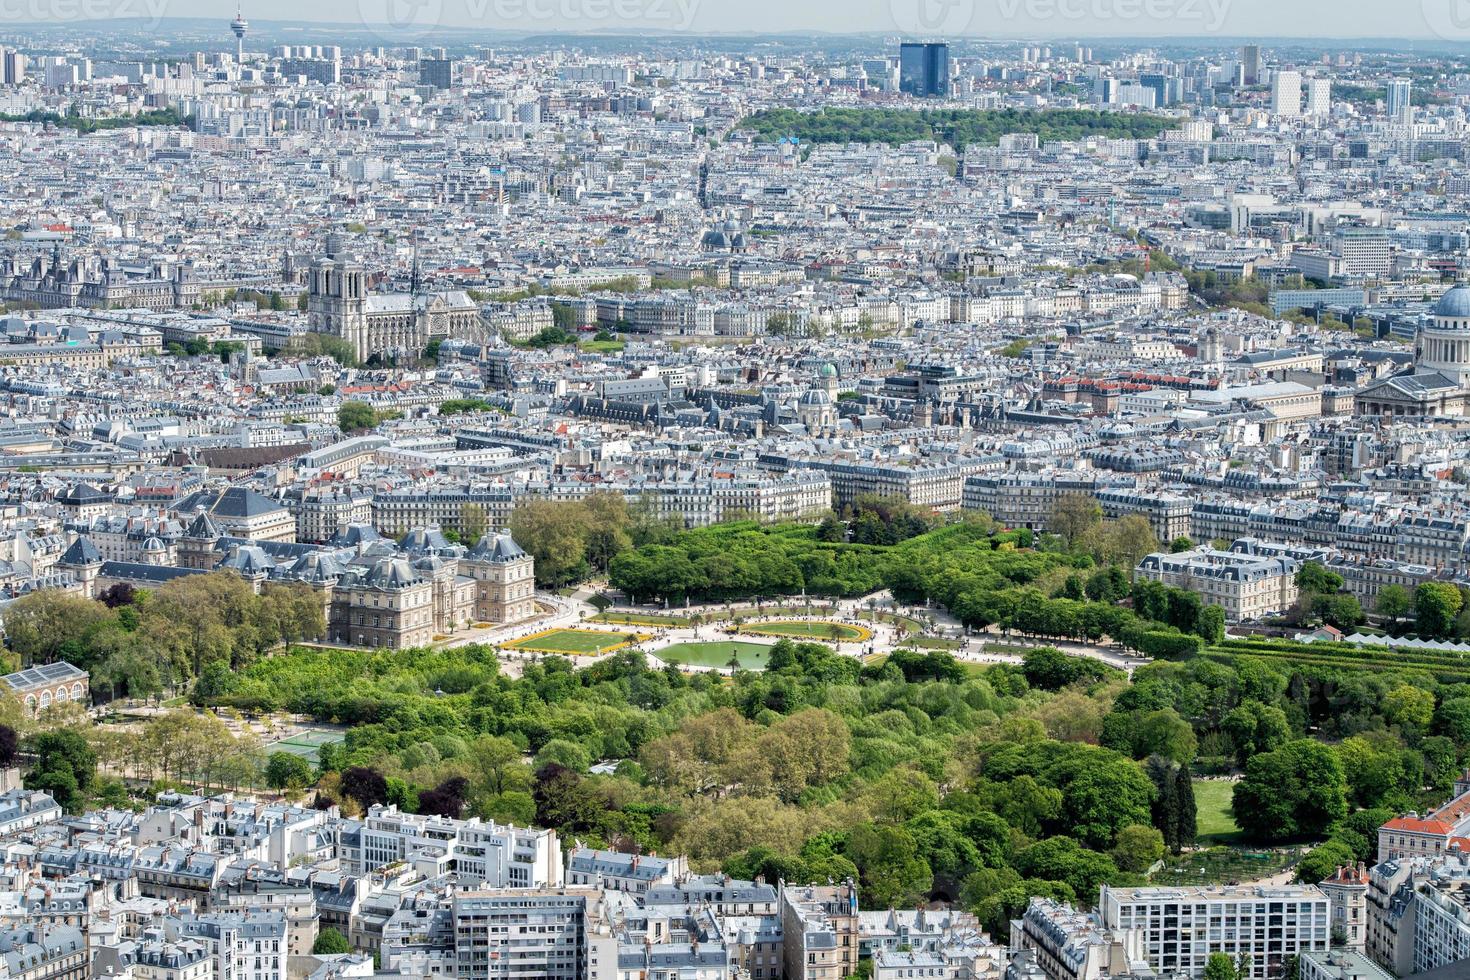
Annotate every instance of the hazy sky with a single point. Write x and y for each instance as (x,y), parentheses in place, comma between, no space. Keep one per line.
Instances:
(1437,19)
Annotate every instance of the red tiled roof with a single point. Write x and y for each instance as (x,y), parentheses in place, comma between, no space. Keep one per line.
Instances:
(1415,826)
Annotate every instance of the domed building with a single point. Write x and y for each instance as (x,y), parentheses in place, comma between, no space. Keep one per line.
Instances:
(1444,347)
(1440,382)
(728,236)
(817,407)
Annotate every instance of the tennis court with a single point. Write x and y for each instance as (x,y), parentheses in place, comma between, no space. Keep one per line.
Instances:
(306,744)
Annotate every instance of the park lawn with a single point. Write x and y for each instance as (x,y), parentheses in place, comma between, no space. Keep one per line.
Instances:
(753,656)
(585,642)
(602,346)
(810,631)
(934,643)
(904,623)
(1215,817)
(639,619)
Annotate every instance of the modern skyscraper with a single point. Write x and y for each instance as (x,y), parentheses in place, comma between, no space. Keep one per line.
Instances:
(1319,96)
(1286,93)
(1160,85)
(1400,100)
(923,70)
(436,73)
(12,67)
(1250,62)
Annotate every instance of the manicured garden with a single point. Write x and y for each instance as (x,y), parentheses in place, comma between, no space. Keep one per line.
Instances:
(574,642)
(639,619)
(798,629)
(752,656)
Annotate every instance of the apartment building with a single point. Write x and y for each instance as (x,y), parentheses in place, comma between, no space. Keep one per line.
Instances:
(637,874)
(1339,964)
(1028,499)
(547,933)
(484,854)
(250,944)
(1347,890)
(1066,944)
(1435,832)
(1419,912)
(42,953)
(396,511)
(1170,515)
(1181,927)
(1247,587)
(820,931)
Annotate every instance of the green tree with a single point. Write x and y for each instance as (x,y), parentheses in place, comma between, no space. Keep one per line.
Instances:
(283,770)
(607,524)
(1436,605)
(1125,542)
(1063,859)
(65,766)
(893,873)
(1210,624)
(1409,706)
(555,534)
(1186,819)
(1296,791)
(1220,966)
(1138,847)
(48,624)
(1453,719)
(1073,515)
(1394,602)
(1315,578)
(356,417)
(1341,611)
(330,942)
(1255,727)
(1322,862)
(472,522)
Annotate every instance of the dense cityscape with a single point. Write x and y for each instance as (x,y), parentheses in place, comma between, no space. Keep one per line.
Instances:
(648,505)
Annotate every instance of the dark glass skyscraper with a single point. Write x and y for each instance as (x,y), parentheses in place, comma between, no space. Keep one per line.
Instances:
(923,70)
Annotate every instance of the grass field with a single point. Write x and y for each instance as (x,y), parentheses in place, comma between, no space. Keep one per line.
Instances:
(602,346)
(934,643)
(1216,820)
(639,619)
(585,642)
(811,631)
(753,656)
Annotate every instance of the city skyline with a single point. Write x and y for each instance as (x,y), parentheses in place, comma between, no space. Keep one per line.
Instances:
(1180,20)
